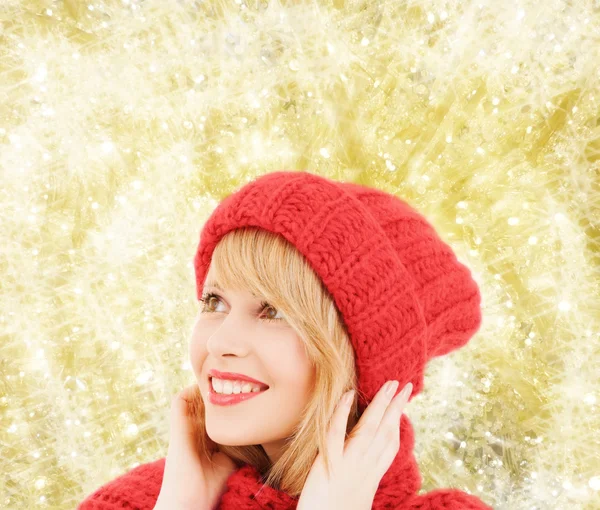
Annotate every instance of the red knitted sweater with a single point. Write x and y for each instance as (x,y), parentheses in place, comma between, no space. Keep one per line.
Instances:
(139,488)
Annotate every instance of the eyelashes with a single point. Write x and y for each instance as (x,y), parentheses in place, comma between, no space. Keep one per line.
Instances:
(209,295)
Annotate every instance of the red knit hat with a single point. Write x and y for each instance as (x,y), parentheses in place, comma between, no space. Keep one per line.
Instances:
(402,293)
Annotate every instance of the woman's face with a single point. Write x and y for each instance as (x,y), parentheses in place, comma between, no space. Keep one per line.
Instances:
(232,335)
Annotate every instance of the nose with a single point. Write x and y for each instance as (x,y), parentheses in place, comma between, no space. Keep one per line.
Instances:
(230,339)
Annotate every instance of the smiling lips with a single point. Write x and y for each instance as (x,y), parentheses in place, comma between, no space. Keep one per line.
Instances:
(225,399)
(225,386)
(228,388)
(232,376)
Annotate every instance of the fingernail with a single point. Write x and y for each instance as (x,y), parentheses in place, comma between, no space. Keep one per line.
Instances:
(391,388)
(407,390)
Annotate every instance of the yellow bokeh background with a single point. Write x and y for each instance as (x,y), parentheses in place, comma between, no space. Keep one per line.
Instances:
(123,123)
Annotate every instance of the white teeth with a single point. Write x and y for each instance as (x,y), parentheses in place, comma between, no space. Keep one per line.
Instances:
(227,387)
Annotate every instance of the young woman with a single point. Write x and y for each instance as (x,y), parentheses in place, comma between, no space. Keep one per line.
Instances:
(310,290)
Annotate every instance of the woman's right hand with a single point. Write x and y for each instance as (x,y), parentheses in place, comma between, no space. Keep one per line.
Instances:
(189,481)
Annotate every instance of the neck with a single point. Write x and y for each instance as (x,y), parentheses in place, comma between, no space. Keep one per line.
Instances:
(401,481)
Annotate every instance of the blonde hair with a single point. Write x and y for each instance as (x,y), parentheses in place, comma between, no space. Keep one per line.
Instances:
(267,265)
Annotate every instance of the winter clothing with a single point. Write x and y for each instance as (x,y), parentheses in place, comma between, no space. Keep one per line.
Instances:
(403,295)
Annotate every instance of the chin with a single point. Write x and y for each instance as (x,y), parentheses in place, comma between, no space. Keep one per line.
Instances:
(233,437)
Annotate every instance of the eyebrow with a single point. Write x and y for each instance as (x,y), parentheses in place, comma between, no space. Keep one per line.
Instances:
(217,286)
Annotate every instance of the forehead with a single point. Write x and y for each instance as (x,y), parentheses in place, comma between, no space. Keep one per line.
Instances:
(211,281)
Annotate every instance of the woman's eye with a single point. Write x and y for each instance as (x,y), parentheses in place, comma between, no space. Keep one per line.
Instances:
(274,317)
(207,300)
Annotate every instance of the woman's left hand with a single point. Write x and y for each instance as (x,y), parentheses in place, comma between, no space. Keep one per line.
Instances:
(357,464)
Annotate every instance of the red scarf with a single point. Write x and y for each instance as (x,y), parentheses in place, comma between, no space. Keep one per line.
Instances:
(139,488)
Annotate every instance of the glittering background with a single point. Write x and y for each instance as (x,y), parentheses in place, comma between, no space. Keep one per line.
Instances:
(123,123)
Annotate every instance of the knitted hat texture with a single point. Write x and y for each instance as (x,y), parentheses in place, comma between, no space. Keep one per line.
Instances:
(403,294)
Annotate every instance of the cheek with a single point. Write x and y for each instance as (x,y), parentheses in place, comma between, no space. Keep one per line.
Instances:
(293,373)
(197,351)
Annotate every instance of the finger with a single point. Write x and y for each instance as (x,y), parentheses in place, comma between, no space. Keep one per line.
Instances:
(387,439)
(369,422)
(339,423)
(183,419)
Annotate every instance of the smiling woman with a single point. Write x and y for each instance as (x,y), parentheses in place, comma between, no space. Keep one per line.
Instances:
(272,320)
(309,288)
